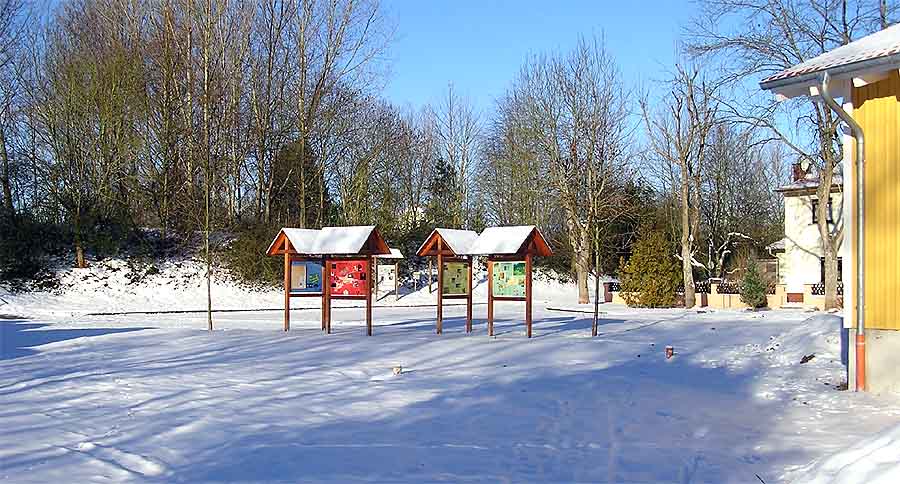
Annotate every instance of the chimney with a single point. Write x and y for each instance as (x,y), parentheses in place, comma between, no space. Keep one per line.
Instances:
(798,174)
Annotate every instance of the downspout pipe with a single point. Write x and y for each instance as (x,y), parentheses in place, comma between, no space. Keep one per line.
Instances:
(857,133)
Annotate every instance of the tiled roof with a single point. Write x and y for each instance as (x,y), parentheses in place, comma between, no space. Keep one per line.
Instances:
(810,183)
(883,43)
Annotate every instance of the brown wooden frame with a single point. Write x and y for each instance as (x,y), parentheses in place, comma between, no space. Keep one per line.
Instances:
(282,245)
(534,245)
(437,248)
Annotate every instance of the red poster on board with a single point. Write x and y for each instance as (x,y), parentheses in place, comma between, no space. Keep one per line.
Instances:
(349,278)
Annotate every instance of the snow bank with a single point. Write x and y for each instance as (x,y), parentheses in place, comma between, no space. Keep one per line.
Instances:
(819,335)
(874,460)
(114,285)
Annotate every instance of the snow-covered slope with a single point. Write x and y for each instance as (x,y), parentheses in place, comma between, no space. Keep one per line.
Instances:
(112,285)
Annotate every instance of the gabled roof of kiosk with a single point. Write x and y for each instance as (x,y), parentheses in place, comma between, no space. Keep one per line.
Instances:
(354,240)
(395,254)
(513,240)
(300,239)
(458,241)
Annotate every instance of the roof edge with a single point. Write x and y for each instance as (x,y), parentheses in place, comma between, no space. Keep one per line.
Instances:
(890,61)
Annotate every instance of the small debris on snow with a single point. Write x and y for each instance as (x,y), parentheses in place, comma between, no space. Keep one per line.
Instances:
(806,359)
(398,370)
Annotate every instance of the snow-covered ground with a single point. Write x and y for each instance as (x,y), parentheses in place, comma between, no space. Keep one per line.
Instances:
(155,397)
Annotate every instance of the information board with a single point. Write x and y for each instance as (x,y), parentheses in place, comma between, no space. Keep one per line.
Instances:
(349,278)
(456,278)
(387,276)
(509,279)
(306,277)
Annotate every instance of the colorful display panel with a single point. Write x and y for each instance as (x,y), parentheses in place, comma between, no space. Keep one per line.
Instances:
(509,279)
(349,278)
(306,277)
(456,278)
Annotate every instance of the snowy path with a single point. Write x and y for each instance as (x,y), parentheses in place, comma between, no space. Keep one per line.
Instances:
(99,399)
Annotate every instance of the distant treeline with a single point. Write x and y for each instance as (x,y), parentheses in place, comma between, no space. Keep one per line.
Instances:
(192,115)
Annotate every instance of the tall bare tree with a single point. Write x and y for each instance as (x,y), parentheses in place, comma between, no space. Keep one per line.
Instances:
(756,38)
(338,44)
(11,35)
(458,130)
(571,114)
(678,130)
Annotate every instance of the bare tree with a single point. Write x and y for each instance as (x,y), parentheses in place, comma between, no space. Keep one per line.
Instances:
(338,43)
(11,30)
(678,131)
(570,112)
(756,38)
(458,130)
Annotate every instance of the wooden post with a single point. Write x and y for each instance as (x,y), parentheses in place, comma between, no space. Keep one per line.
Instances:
(469,300)
(396,281)
(429,276)
(326,295)
(528,294)
(440,288)
(287,290)
(326,286)
(375,270)
(490,309)
(369,302)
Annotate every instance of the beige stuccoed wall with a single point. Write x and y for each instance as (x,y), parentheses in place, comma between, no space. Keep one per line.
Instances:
(799,264)
(733,301)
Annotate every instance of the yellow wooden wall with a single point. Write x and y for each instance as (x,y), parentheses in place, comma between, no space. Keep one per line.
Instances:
(877,109)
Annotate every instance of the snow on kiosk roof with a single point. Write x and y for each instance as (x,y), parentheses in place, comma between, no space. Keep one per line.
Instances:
(341,241)
(511,241)
(395,254)
(457,241)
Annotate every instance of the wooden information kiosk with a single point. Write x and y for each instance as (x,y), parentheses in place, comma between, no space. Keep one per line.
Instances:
(331,263)
(454,266)
(510,252)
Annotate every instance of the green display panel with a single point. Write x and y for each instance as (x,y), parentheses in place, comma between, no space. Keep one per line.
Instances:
(456,278)
(509,279)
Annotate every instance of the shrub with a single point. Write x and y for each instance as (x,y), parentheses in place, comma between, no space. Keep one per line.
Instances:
(652,275)
(753,287)
(24,243)
(247,260)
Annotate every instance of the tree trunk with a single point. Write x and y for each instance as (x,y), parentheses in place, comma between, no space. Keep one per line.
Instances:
(829,244)
(686,244)
(596,323)
(79,247)
(582,266)
(4,175)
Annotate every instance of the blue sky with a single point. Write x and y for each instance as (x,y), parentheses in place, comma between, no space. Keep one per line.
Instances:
(479,46)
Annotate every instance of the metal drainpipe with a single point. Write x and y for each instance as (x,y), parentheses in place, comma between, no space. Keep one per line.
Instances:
(857,131)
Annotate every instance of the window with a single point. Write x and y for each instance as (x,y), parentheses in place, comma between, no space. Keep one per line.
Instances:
(840,264)
(815,211)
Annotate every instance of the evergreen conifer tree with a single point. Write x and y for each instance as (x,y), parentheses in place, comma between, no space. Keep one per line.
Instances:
(652,275)
(753,287)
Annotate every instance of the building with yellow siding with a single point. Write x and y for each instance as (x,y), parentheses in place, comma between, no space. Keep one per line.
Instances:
(865,76)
